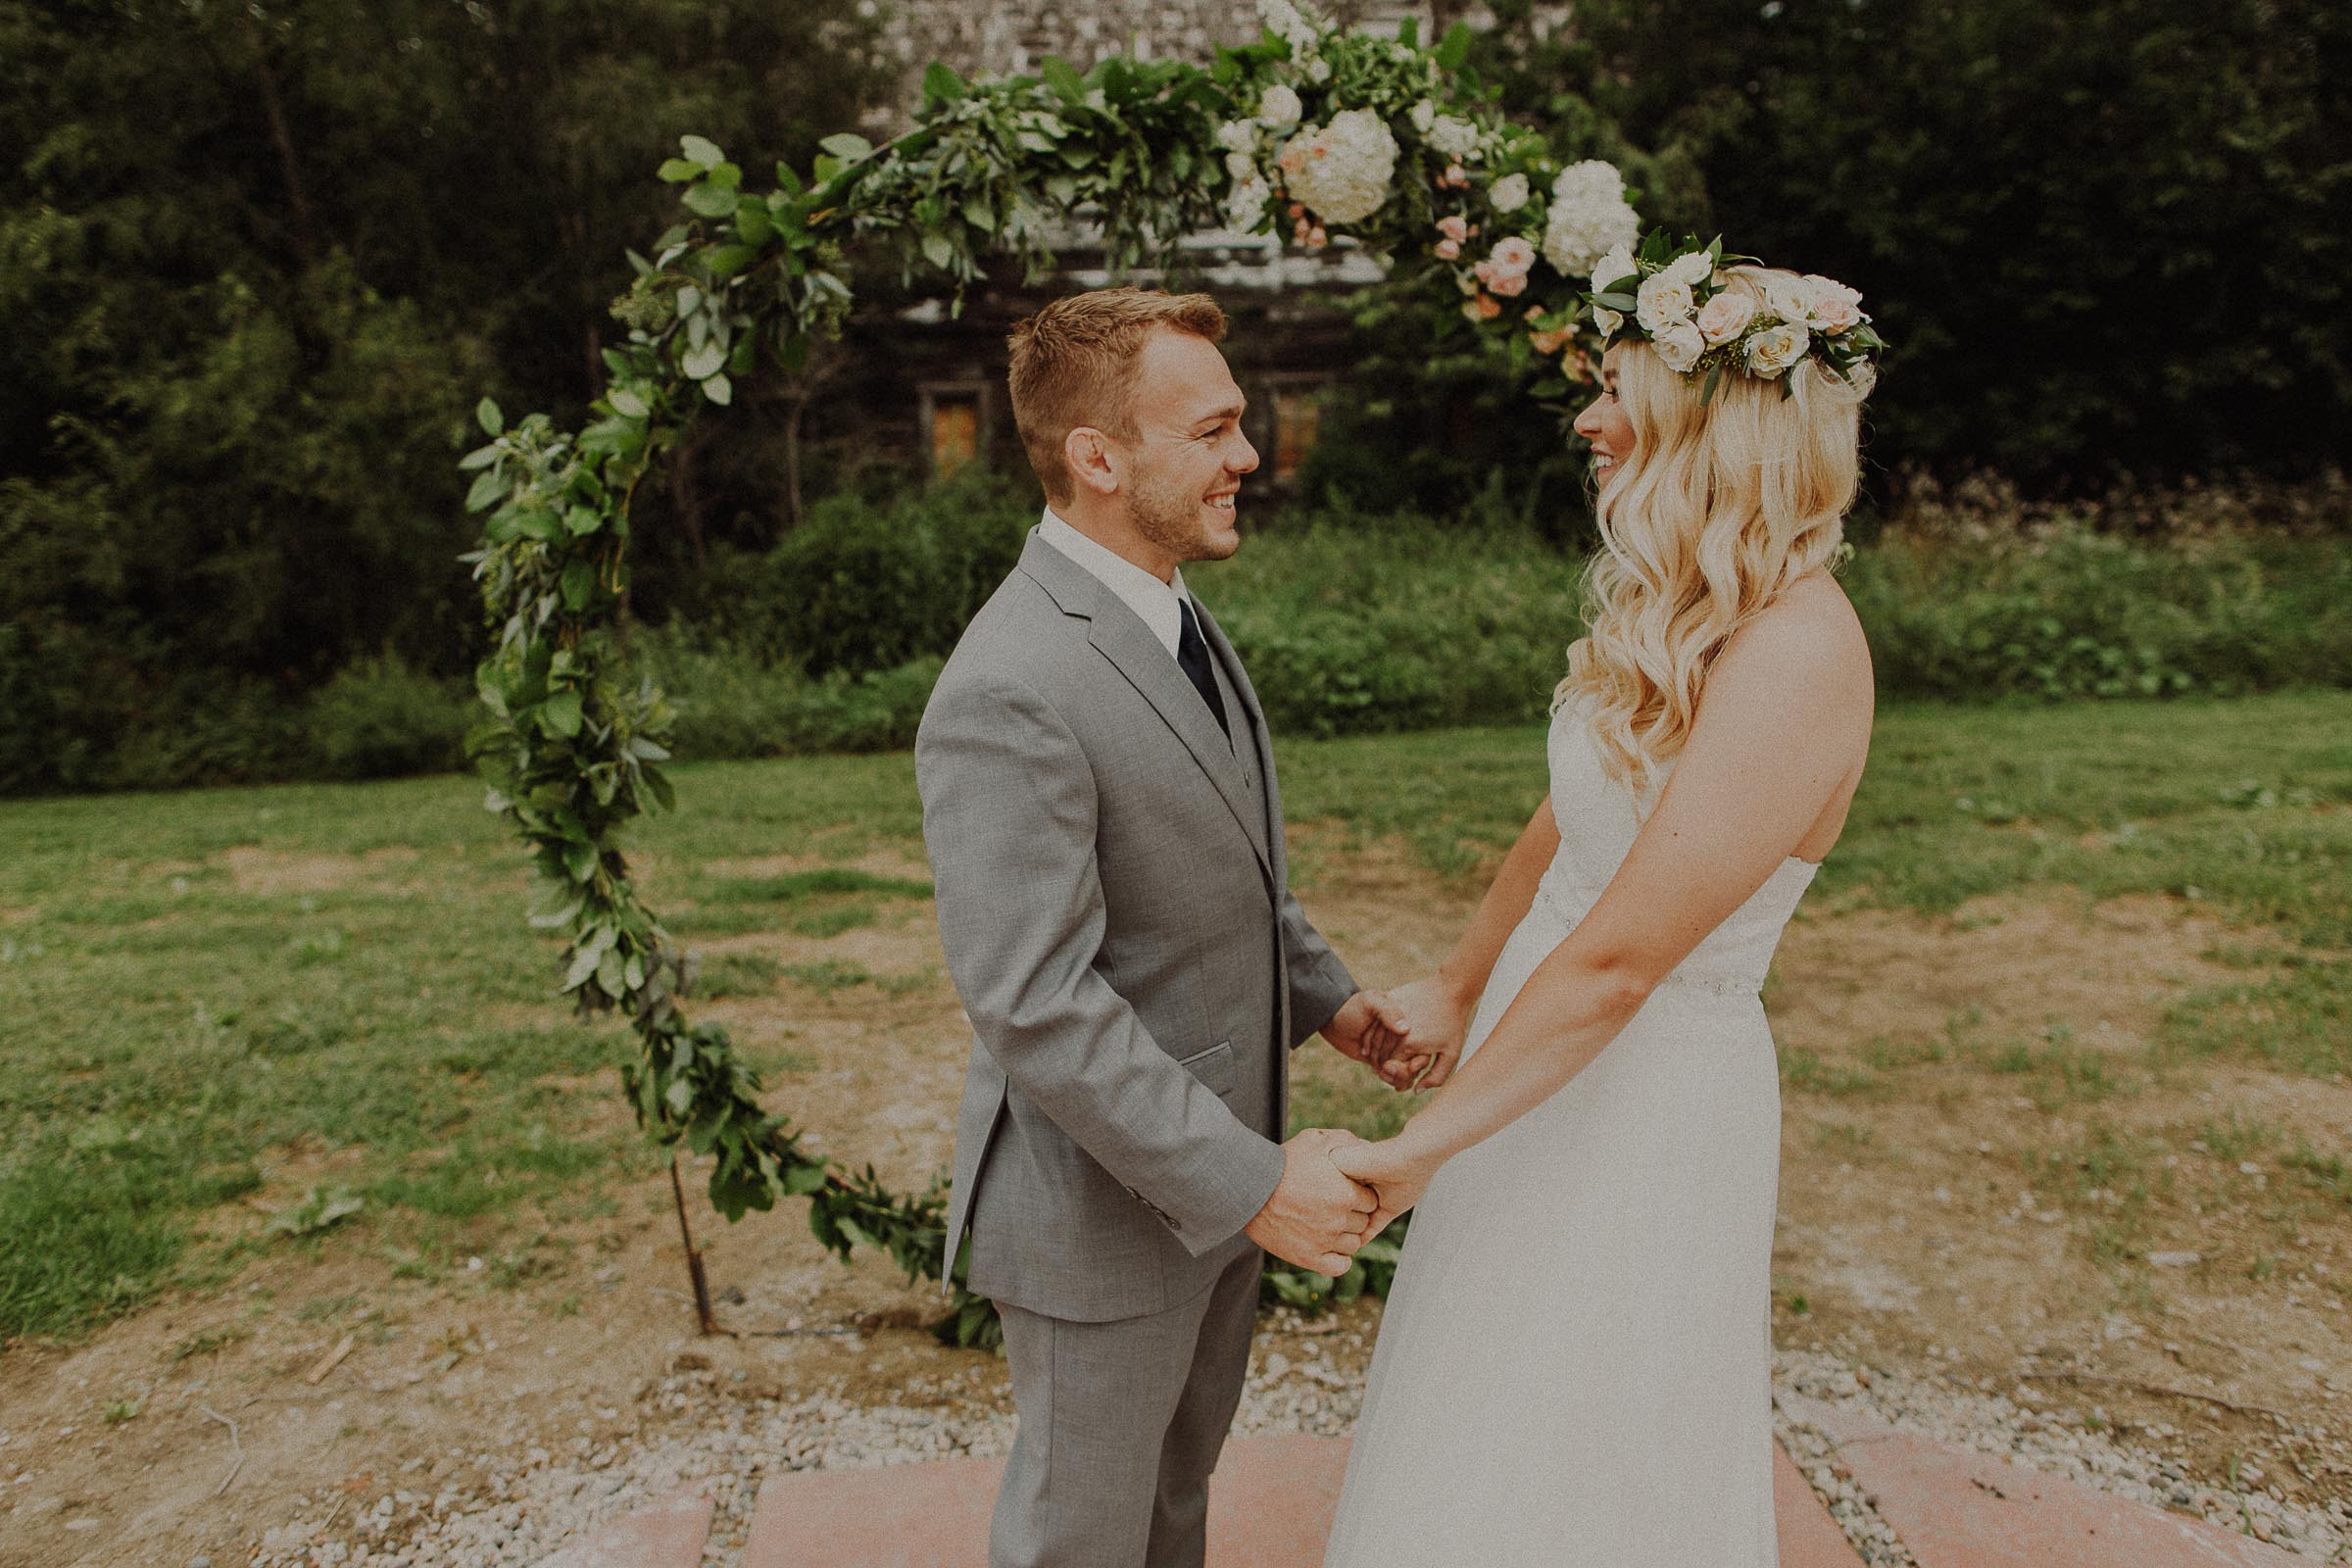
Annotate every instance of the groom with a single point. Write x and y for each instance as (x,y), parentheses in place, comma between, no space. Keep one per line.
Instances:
(1105,836)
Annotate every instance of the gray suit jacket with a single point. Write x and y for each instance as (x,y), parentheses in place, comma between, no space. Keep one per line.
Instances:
(1114,907)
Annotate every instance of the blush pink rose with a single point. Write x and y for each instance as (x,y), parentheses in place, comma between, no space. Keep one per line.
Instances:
(1513,255)
(1723,317)
(1454,227)
(1449,249)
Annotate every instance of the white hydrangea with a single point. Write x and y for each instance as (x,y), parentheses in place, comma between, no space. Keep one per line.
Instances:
(1423,116)
(1510,193)
(1237,135)
(1279,107)
(1318,69)
(1341,171)
(1455,136)
(1245,203)
(1291,25)
(1240,166)
(1589,219)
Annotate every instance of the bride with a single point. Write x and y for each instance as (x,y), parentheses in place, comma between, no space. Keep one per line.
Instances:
(1575,1363)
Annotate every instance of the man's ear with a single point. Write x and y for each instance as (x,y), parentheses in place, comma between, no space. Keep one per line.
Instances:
(1092,460)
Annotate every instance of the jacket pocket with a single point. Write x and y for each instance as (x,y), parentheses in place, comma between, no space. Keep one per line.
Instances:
(1214,1067)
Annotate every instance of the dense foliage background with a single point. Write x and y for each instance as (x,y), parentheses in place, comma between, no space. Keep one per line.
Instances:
(261,260)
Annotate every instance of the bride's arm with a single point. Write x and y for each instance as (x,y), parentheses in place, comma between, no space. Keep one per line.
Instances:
(1784,722)
(1440,1008)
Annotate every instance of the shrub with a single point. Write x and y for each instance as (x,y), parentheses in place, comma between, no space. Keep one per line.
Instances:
(378,718)
(867,585)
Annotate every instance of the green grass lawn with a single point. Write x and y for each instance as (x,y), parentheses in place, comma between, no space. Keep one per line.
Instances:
(379,1010)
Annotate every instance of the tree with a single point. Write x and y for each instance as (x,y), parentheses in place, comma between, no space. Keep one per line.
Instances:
(269,255)
(2103,236)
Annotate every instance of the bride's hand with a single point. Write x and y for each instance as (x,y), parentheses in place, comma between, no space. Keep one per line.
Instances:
(1439,1021)
(1396,1177)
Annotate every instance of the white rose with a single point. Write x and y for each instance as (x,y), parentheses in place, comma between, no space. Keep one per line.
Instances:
(1237,135)
(1608,321)
(1679,345)
(1788,298)
(1280,106)
(1614,268)
(1239,165)
(1776,348)
(1662,301)
(1693,267)
(1510,193)
(1835,307)
(1725,316)
(1424,115)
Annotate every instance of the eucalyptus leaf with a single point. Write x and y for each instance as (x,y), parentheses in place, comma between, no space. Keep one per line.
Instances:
(848,147)
(700,363)
(561,714)
(626,402)
(489,487)
(718,389)
(491,421)
(712,201)
(702,151)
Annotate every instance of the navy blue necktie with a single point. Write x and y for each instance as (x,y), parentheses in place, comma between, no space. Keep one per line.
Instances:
(1191,656)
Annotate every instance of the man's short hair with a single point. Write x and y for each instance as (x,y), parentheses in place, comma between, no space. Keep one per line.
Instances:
(1075,364)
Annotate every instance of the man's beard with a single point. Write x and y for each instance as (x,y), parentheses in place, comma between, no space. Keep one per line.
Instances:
(1171,520)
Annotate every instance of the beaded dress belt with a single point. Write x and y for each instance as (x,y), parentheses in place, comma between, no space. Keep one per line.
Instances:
(1714,985)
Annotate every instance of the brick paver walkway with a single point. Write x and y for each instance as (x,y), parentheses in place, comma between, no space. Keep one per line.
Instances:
(1273,1499)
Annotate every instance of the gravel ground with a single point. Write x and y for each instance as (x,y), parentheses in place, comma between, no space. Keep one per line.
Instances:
(502,1508)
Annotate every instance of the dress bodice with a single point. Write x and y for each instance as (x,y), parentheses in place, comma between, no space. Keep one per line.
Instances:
(1598,818)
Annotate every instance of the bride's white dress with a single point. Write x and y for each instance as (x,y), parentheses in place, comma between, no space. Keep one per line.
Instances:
(1574,1369)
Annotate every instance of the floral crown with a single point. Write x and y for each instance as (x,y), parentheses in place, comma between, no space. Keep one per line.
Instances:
(1674,297)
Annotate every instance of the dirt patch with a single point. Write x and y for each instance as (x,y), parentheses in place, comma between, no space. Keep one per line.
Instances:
(265,873)
(1987,1174)
(876,862)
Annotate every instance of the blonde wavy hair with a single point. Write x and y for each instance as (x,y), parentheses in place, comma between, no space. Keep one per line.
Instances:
(1717,510)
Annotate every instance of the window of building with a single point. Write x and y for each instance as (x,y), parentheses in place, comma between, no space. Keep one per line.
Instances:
(955,422)
(1299,406)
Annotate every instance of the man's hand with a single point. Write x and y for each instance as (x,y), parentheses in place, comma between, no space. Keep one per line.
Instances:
(1395,1173)
(1368,1028)
(1437,1019)
(1317,1217)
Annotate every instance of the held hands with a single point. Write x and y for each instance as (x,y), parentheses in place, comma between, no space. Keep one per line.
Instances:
(1317,1217)
(1396,1174)
(1423,1053)
(1369,1028)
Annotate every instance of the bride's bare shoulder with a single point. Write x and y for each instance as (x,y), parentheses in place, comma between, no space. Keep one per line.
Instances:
(1809,634)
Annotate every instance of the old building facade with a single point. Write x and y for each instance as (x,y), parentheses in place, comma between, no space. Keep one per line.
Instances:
(928,387)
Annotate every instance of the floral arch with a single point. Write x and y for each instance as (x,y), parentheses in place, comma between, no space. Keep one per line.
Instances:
(1313,133)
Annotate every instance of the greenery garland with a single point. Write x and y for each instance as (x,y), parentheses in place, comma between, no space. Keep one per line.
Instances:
(744,285)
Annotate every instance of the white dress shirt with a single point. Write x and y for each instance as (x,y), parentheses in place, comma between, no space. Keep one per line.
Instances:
(1158,602)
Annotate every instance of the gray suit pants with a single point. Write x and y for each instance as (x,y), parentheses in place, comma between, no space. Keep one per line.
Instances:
(1120,1425)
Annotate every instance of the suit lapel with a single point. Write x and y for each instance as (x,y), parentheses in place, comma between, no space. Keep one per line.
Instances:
(1120,636)
(1258,775)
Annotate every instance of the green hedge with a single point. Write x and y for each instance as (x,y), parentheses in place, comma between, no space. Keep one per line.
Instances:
(831,643)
